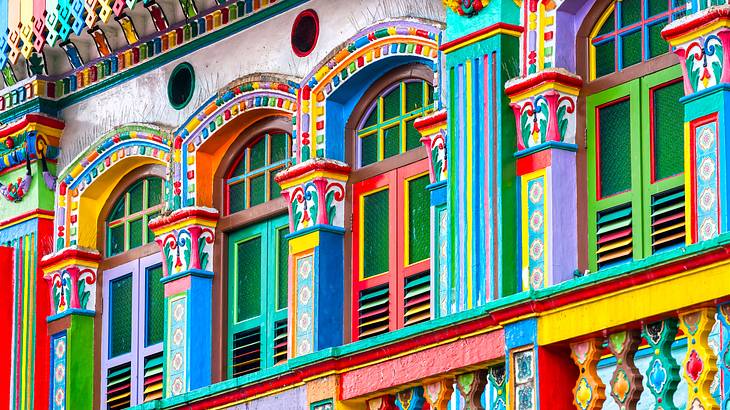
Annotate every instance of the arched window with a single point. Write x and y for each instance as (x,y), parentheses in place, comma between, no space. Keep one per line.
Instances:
(629,32)
(387,127)
(635,137)
(132,328)
(250,181)
(127,223)
(390,241)
(258,250)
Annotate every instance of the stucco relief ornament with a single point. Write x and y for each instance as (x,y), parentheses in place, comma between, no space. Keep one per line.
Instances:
(467,8)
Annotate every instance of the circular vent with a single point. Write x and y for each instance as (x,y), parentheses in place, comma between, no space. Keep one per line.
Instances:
(181,86)
(304,33)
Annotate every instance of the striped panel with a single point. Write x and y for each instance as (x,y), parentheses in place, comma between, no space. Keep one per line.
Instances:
(614,235)
(246,351)
(119,387)
(373,311)
(667,219)
(280,341)
(417,298)
(153,377)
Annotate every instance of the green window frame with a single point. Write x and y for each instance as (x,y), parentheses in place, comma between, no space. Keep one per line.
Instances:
(387,128)
(257,281)
(127,223)
(250,181)
(635,196)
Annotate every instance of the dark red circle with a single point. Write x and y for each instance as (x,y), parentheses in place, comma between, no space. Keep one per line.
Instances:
(304,33)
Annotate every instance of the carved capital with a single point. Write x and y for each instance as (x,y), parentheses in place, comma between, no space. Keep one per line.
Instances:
(702,43)
(544,105)
(433,130)
(71,276)
(186,238)
(315,193)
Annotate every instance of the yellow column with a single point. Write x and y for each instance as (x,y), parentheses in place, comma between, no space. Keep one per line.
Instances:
(700,363)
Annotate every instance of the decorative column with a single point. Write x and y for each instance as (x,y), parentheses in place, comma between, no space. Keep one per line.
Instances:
(700,362)
(186,238)
(410,399)
(71,276)
(701,42)
(723,313)
(315,193)
(589,392)
(438,394)
(626,384)
(433,130)
(471,387)
(544,105)
(480,42)
(386,402)
(662,375)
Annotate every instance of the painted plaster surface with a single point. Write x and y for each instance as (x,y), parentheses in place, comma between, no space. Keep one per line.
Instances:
(144,98)
(290,399)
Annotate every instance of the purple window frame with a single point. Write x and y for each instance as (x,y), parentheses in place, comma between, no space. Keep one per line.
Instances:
(138,269)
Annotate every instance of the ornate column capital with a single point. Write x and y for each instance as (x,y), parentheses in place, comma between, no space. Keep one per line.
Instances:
(433,130)
(544,105)
(186,239)
(315,193)
(702,43)
(71,275)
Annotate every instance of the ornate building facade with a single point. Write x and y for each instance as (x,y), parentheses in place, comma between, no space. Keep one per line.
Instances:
(365,204)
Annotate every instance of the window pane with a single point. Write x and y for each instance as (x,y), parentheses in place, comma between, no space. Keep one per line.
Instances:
(414,95)
(369,149)
(631,48)
(376,235)
(391,104)
(155,317)
(373,118)
(607,27)
(258,155)
(257,190)
(605,58)
(237,197)
(614,135)
(668,131)
(657,45)
(120,323)
(116,240)
(275,188)
(136,233)
(391,144)
(248,279)
(154,192)
(278,147)
(631,11)
(419,226)
(413,137)
(240,167)
(657,7)
(118,211)
(150,234)
(135,198)
(282,269)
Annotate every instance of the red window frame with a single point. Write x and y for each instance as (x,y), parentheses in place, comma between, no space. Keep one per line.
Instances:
(398,270)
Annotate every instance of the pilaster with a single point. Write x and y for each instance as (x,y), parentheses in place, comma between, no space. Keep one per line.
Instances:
(544,106)
(71,276)
(186,238)
(315,193)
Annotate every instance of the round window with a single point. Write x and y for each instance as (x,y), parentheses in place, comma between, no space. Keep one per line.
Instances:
(181,86)
(304,33)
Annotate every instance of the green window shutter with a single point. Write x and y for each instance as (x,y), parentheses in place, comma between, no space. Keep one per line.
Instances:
(631,11)
(657,45)
(155,309)
(376,233)
(614,141)
(237,197)
(136,233)
(120,323)
(668,125)
(152,373)
(391,104)
(257,190)
(369,149)
(419,214)
(282,269)
(248,278)
(154,192)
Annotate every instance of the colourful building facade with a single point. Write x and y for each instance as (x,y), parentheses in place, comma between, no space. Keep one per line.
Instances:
(365,204)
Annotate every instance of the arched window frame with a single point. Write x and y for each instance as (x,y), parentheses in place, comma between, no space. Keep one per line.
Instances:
(638,85)
(141,267)
(267,222)
(394,174)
